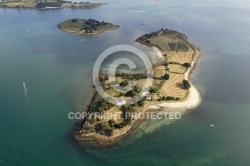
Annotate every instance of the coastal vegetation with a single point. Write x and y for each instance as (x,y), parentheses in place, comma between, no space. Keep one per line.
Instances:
(186,84)
(90,26)
(186,64)
(43,4)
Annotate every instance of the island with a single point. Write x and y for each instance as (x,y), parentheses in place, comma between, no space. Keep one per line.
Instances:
(171,88)
(86,27)
(47,4)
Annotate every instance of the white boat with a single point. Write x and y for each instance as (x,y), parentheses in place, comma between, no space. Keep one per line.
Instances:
(211,125)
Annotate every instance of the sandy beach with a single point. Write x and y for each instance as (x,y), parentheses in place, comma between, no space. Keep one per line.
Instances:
(193,99)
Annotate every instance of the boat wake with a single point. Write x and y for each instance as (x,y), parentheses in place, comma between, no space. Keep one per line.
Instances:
(25,92)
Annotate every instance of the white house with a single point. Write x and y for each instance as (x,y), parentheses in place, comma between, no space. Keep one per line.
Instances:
(120,102)
(148,96)
(144,91)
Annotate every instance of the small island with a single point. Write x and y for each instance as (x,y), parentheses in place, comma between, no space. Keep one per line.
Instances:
(47,4)
(171,88)
(86,27)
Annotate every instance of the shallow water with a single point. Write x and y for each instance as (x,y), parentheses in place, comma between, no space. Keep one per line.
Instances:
(56,67)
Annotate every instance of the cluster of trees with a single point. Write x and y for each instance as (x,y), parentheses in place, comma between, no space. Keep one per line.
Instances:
(174,63)
(74,20)
(186,84)
(76,2)
(141,103)
(87,129)
(91,120)
(103,78)
(145,38)
(186,64)
(137,89)
(93,22)
(105,127)
(165,63)
(153,89)
(165,77)
(66,1)
(49,4)
(124,83)
(102,105)
(91,25)
(170,98)
(135,76)
(83,2)
(125,110)
(149,35)
(130,93)
(133,92)
(121,125)
(127,117)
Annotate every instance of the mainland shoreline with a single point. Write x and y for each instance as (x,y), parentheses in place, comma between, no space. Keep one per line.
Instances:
(40,5)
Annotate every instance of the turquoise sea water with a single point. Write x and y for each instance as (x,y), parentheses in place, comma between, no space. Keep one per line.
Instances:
(56,67)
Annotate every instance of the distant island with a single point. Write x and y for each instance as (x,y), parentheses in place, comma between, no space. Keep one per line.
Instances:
(86,27)
(47,4)
(171,88)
